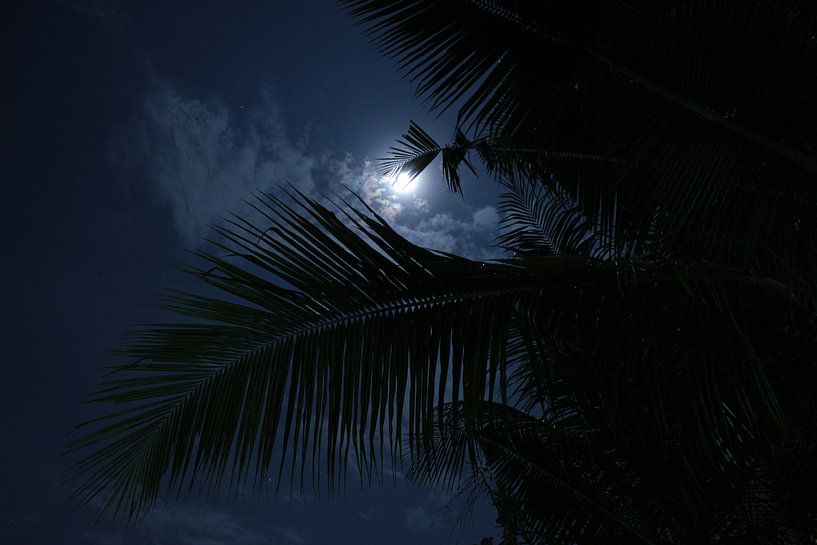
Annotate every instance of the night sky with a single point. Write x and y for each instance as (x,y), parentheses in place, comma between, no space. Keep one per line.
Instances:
(129,129)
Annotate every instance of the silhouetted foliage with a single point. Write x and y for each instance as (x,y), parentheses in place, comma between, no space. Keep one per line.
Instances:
(637,370)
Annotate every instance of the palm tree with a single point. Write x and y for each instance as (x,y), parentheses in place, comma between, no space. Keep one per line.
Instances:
(635,371)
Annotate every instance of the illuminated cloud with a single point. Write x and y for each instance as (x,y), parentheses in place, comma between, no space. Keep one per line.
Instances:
(202,159)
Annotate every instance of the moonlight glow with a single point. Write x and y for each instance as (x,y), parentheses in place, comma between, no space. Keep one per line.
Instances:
(404,183)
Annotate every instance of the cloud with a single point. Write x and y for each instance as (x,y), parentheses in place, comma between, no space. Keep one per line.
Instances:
(362,179)
(471,236)
(201,159)
(486,218)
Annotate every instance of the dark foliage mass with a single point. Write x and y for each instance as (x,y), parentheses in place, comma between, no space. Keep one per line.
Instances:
(639,369)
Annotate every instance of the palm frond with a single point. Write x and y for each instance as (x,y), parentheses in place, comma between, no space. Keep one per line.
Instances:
(321,331)
(300,354)
(538,221)
(533,493)
(707,106)
(417,149)
(335,339)
(572,475)
(436,44)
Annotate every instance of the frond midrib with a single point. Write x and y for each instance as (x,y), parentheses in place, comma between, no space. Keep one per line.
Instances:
(291,336)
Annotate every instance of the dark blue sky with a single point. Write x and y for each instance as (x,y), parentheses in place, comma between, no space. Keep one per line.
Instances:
(128,128)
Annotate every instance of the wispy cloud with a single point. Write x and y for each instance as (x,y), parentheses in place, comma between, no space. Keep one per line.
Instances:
(202,158)
(471,236)
(190,524)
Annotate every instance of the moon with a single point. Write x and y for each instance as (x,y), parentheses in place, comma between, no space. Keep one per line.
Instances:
(404,183)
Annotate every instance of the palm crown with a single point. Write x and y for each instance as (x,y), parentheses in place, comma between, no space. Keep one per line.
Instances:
(635,371)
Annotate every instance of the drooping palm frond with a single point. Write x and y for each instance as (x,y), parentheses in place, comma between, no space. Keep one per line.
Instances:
(738,489)
(706,104)
(545,42)
(538,214)
(553,491)
(602,392)
(313,348)
(538,221)
(329,334)
(481,52)
(563,477)
(416,150)
(711,143)
(482,441)
(303,340)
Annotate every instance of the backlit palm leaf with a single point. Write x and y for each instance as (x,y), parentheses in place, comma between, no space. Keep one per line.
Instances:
(329,334)
(637,372)
(709,107)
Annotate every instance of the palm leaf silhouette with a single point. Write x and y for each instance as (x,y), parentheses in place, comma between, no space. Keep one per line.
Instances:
(345,329)
(705,106)
(633,372)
